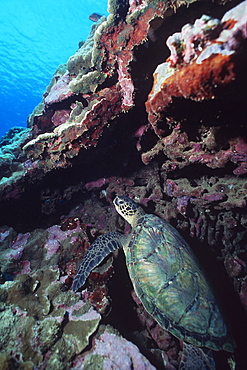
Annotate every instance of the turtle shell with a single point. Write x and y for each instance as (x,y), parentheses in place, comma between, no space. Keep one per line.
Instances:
(172,287)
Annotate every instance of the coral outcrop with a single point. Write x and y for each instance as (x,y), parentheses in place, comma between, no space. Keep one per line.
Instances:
(153,106)
(201,63)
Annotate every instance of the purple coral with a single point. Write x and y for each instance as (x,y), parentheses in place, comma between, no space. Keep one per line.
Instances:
(115,352)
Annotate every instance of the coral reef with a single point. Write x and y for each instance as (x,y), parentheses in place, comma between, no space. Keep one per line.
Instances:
(110,350)
(11,155)
(93,88)
(37,269)
(202,61)
(35,334)
(152,106)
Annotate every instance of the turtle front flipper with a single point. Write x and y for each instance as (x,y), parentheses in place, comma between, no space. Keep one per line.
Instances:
(102,246)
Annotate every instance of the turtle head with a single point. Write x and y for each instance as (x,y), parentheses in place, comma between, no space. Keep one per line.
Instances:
(128,209)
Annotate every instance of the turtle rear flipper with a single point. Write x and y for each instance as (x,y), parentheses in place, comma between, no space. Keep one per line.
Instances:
(103,245)
(194,358)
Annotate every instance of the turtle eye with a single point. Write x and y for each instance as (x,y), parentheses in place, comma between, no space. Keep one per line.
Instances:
(119,201)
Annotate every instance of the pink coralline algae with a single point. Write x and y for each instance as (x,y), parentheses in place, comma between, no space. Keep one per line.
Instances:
(22,253)
(111,351)
(96,184)
(59,91)
(136,5)
(152,105)
(182,152)
(56,235)
(200,52)
(60,117)
(201,63)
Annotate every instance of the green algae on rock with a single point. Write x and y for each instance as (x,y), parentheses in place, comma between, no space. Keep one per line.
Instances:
(84,148)
(47,323)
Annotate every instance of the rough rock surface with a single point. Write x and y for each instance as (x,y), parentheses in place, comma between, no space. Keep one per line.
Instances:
(153,106)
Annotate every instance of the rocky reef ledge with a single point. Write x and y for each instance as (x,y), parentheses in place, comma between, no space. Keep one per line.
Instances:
(153,106)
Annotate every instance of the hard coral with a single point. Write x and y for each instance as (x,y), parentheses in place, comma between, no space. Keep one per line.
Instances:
(35,304)
(207,58)
(106,53)
(201,60)
(111,350)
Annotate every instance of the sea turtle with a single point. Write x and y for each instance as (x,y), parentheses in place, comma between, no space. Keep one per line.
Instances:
(166,277)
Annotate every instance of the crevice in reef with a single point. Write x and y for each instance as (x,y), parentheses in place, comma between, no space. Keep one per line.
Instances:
(201,171)
(109,82)
(66,104)
(44,122)
(111,157)
(227,110)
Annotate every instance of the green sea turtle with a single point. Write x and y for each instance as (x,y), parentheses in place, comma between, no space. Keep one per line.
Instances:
(166,277)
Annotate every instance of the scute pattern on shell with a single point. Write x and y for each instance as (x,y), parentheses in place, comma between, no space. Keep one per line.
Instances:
(172,287)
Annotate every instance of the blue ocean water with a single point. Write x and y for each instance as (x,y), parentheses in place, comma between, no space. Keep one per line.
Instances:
(35,37)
